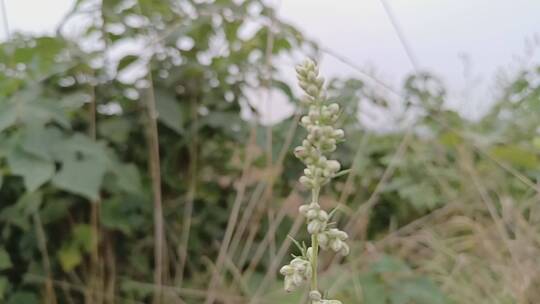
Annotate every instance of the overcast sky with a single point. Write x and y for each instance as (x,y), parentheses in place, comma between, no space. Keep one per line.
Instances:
(489,35)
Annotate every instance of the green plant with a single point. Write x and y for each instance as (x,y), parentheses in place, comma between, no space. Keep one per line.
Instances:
(320,122)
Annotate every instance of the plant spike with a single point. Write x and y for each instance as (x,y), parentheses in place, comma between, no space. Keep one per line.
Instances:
(321,140)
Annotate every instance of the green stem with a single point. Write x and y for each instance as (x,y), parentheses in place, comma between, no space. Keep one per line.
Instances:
(315,246)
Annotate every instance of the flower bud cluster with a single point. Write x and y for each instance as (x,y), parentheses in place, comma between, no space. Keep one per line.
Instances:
(298,270)
(316,298)
(316,217)
(320,123)
(310,82)
(334,239)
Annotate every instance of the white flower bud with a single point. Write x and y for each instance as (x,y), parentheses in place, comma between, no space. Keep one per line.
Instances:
(342,235)
(320,82)
(314,226)
(298,270)
(322,216)
(306,100)
(345,250)
(333,165)
(328,146)
(286,270)
(309,64)
(326,173)
(339,134)
(315,295)
(330,142)
(306,181)
(316,131)
(311,214)
(333,108)
(314,113)
(309,253)
(301,70)
(311,76)
(300,152)
(304,85)
(335,244)
(330,302)
(306,121)
(308,272)
(297,279)
(323,240)
(309,160)
(312,91)
(327,130)
(289,284)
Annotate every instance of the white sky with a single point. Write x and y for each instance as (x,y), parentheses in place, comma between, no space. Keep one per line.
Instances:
(491,33)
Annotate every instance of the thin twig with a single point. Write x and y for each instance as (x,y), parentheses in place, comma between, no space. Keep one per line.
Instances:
(271,272)
(155,170)
(50,295)
(401,35)
(364,209)
(231,223)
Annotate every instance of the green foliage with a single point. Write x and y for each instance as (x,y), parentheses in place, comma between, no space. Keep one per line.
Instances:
(80,243)
(5,260)
(390,281)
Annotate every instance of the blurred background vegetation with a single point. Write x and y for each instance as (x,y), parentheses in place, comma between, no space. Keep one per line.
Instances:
(141,192)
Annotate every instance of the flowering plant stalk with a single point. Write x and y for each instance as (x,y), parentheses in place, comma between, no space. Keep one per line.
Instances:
(320,123)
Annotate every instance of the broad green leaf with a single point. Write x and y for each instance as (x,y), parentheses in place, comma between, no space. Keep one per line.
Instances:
(41,141)
(169,112)
(55,210)
(5,260)
(81,177)
(69,257)
(15,216)
(115,216)
(34,170)
(8,115)
(128,178)
(41,112)
(78,145)
(32,108)
(30,202)
(115,128)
